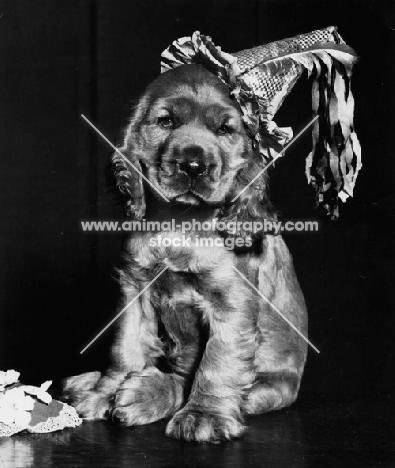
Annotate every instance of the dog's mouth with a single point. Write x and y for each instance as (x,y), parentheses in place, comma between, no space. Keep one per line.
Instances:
(184,190)
(181,188)
(189,198)
(193,196)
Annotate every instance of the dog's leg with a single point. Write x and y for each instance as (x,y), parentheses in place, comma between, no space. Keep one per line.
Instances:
(279,361)
(281,354)
(213,412)
(137,347)
(150,395)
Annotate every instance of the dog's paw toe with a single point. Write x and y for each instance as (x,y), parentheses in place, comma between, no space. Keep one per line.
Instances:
(92,405)
(135,414)
(130,392)
(129,415)
(131,407)
(203,427)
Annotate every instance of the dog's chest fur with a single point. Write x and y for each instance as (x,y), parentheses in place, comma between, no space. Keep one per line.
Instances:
(199,281)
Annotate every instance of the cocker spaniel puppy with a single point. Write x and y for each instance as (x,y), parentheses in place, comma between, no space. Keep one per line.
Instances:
(199,346)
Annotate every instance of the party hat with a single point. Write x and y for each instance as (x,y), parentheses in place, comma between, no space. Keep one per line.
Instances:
(260,79)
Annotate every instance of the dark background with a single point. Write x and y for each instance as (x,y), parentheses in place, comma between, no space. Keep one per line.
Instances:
(63,58)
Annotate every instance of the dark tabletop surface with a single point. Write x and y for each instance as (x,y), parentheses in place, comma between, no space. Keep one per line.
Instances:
(318,433)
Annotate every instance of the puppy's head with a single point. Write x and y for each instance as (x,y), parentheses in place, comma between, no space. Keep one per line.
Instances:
(187,137)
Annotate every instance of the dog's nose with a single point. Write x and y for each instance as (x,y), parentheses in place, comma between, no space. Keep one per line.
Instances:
(193,168)
(192,161)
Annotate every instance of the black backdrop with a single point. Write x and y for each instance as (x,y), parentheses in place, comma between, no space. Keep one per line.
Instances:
(63,58)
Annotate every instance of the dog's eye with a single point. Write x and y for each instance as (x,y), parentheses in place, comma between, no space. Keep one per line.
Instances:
(165,122)
(224,130)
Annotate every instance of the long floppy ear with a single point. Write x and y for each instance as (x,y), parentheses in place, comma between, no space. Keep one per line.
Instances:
(252,203)
(128,179)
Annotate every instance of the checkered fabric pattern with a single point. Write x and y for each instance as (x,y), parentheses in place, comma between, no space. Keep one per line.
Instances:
(248,58)
(267,86)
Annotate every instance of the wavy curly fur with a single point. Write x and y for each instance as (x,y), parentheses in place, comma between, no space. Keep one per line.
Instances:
(227,353)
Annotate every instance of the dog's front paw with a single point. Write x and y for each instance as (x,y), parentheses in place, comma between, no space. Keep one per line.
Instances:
(89,403)
(147,397)
(193,425)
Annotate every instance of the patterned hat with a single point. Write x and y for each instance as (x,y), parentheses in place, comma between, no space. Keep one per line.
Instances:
(260,79)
